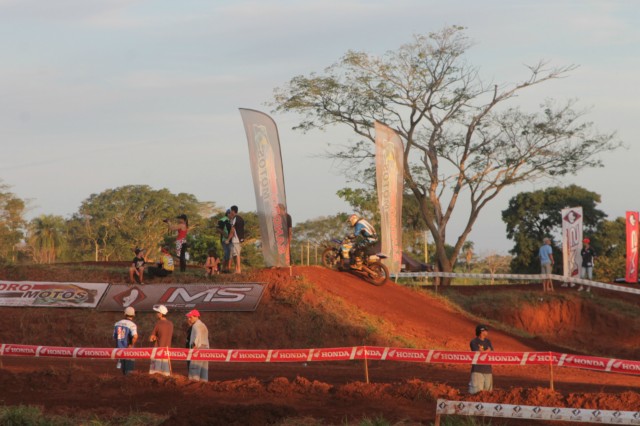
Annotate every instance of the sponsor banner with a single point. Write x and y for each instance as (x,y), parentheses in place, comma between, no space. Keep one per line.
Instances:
(334,354)
(566,414)
(20,350)
(101,353)
(390,184)
(50,294)
(268,184)
(290,355)
(625,366)
(216,355)
(55,351)
(453,357)
(408,355)
(588,362)
(542,358)
(374,353)
(250,355)
(502,358)
(204,297)
(633,230)
(571,241)
(173,354)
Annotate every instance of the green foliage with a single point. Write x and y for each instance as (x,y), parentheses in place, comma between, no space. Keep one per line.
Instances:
(12,222)
(464,421)
(27,415)
(531,216)
(46,238)
(458,140)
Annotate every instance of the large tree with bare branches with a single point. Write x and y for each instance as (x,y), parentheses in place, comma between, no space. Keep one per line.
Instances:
(462,137)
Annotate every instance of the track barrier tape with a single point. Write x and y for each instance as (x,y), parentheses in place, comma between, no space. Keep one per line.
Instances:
(372,353)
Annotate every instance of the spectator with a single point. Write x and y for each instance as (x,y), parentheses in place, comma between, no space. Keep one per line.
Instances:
(125,333)
(164,266)
(199,339)
(588,255)
(161,338)
(212,265)
(224,227)
(546,264)
(289,226)
(182,227)
(136,270)
(481,375)
(236,236)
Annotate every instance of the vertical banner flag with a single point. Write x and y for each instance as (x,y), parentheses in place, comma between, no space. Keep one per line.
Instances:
(390,183)
(268,183)
(632,247)
(571,241)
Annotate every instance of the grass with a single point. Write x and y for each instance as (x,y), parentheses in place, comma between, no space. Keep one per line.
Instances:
(28,415)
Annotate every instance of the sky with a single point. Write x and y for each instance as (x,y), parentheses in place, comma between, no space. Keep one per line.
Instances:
(104,93)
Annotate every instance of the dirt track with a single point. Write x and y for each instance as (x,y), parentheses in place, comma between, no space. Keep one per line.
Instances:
(334,392)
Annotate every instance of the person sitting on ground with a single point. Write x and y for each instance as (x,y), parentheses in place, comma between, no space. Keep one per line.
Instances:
(212,265)
(136,270)
(164,266)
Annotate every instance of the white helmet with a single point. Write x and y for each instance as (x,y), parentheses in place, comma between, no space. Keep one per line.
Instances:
(353,219)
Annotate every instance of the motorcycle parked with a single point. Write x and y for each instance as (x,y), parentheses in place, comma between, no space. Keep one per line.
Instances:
(369,268)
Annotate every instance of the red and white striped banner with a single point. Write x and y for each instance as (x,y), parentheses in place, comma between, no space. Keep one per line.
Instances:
(373,353)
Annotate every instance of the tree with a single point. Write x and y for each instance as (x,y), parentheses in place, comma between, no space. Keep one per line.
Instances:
(12,222)
(496,264)
(531,216)
(459,139)
(116,221)
(46,238)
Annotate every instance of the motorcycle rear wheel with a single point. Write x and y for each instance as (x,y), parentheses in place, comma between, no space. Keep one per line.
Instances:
(378,275)
(330,258)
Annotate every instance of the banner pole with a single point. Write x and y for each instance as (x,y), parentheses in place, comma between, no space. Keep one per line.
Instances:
(437,422)
(366,366)
(169,359)
(551,371)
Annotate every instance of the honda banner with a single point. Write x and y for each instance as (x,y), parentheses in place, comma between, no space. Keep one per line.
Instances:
(571,241)
(205,297)
(390,183)
(268,184)
(48,294)
(632,248)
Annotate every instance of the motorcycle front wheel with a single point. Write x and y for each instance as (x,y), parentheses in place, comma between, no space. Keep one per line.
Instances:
(330,258)
(378,274)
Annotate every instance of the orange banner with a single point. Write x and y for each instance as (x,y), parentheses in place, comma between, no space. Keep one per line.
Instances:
(390,183)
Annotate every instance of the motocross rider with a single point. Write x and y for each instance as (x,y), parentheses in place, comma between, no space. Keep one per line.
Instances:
(364,235)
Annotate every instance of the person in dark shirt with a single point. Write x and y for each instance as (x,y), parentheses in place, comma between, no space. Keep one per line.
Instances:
(588,254)
(136,270)
(481,375)
(161,337)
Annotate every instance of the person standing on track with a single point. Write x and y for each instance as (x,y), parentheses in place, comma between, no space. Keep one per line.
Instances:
(481,375)
(588,255)
(236,237)
(125,332)
(199,339)
(546,264)
(161,337)
(182,227)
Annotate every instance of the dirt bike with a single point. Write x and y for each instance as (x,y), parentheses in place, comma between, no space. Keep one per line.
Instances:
(367,267)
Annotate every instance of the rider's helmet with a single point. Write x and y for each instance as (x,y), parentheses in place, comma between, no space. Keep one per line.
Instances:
(353,219)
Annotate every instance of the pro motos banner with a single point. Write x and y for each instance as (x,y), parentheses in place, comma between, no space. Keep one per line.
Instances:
(390,183)
(631,275)
(268,184)
(48,294)
(571,241)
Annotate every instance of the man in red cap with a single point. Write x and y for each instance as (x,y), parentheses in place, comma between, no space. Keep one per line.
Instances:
(588,255)
(199,339)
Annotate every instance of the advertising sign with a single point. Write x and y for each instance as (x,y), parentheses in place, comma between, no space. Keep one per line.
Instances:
(204,297)
(51,295)
(390,183)
(571,241)
(268,184)
(631,275)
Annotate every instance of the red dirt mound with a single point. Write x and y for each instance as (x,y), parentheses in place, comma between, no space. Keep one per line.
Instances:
(312,308)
